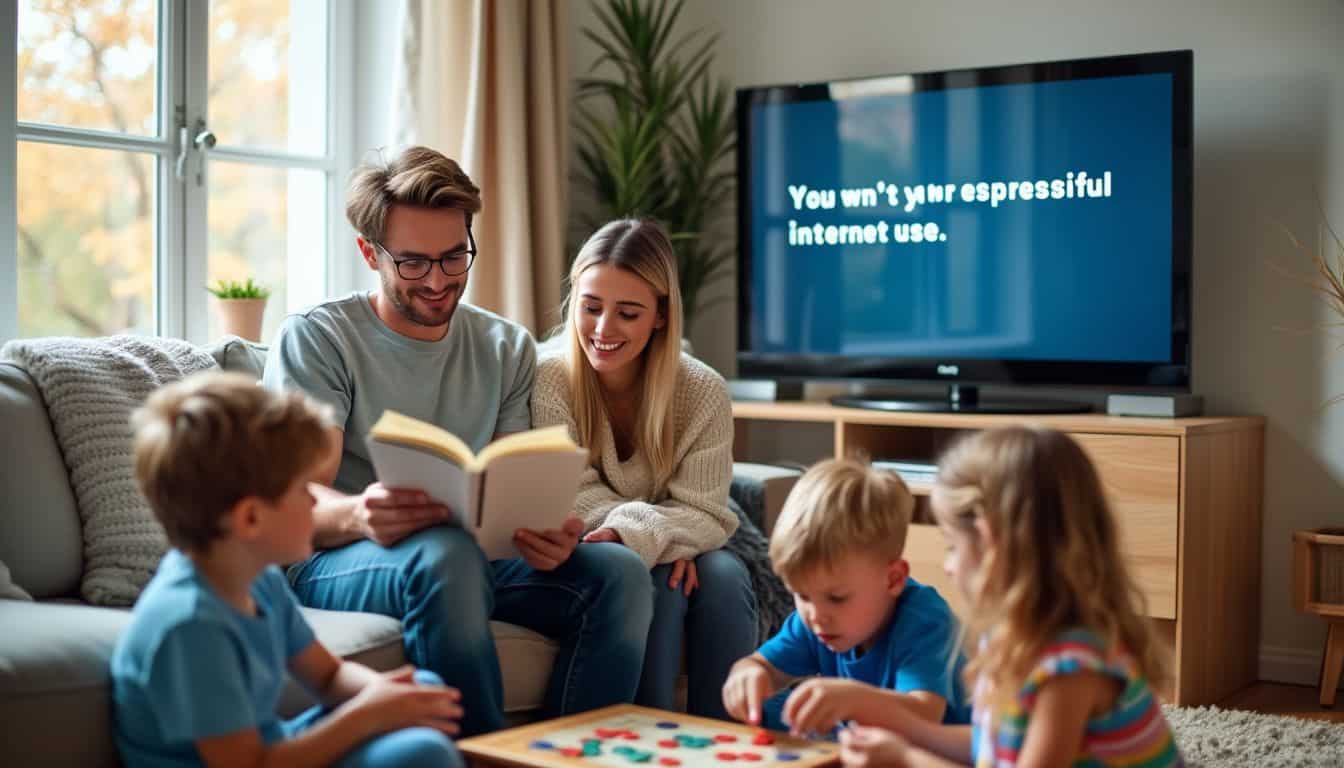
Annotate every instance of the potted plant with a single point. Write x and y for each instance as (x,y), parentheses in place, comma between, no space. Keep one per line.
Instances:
(656,138)
(241,307)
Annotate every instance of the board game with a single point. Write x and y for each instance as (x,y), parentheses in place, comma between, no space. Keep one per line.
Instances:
(629,736)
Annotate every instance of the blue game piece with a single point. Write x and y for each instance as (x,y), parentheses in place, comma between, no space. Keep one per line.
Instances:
(668,724)
(787,757)
(541,745)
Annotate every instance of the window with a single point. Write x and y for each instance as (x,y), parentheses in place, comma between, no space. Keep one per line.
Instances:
(164,145)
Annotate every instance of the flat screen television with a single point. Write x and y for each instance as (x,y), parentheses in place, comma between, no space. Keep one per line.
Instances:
(1014,225)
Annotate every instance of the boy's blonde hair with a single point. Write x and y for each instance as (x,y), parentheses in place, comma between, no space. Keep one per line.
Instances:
(837,508)
(641,247)
(1052,561)
(419,177)
(205,443)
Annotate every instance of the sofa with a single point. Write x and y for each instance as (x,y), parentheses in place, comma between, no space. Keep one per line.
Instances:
(54,648)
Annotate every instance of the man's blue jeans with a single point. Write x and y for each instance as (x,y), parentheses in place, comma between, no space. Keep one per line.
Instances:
(596,606)
(718,622)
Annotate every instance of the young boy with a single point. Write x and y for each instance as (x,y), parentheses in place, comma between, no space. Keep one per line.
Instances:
(198,673)
(866,634)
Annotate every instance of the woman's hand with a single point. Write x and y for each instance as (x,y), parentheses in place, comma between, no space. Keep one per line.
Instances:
(865,747)
(603,534)
(684,569)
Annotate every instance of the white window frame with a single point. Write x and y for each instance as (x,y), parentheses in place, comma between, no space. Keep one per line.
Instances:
(181,247)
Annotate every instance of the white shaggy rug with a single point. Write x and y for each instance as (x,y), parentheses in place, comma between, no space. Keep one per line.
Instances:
(1210,737)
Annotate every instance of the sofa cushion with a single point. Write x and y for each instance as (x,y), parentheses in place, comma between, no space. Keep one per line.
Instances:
(240,355)
(40,537)
(54,679)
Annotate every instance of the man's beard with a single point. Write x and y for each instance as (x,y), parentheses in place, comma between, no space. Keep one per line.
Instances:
(403,301)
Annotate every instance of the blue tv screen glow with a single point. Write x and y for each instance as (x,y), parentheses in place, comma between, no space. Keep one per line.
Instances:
(1013,224)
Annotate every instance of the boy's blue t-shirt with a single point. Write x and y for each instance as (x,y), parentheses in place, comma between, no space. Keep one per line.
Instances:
(190,666)
(911,653)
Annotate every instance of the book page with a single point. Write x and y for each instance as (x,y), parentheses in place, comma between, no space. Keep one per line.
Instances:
(526,490)
(545,440)
(401,466)
(394,427)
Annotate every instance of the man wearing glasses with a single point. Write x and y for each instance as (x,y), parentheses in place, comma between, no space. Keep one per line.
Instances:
(410,345)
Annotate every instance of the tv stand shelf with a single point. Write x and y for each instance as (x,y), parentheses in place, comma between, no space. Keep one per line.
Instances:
(1186,493)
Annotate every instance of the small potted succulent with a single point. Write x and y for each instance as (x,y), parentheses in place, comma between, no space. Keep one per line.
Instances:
(241,306)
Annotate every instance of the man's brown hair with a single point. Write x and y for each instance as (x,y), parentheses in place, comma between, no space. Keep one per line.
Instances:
(205,443)
(419,177)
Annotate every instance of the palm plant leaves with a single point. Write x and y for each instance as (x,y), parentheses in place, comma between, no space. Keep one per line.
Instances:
(657,134)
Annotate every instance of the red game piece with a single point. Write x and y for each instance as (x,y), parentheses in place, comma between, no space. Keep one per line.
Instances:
(726,757)
(571,752)
(762,738)
(750,756)
(669,743)
(607,733)
(629,735)
(725,738)
(668,761)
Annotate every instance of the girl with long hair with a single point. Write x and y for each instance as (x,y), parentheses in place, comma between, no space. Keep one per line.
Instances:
(658,428)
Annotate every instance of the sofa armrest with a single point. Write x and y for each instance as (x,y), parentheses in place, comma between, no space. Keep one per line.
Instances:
(760,489)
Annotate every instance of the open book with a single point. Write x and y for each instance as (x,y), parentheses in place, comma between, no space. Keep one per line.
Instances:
(526,480)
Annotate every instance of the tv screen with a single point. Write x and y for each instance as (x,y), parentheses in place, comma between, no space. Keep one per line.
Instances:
(1022,224)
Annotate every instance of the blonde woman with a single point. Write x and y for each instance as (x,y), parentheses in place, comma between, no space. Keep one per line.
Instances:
(658,427)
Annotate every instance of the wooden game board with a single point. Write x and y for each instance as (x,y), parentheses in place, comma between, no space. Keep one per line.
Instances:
(628,736)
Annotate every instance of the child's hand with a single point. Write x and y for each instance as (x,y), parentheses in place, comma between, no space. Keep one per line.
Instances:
(746,689)
(864,747)
(393,701)
(818,705)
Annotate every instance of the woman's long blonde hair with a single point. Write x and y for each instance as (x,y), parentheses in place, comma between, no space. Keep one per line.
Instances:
(1052,559)
(644,249)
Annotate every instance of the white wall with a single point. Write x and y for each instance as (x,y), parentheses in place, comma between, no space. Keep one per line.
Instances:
(1269,138)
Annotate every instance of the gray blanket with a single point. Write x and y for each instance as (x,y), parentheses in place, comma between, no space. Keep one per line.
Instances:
(90,387)
(774,603)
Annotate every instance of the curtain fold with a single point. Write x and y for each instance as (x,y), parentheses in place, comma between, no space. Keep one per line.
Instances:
(485,82)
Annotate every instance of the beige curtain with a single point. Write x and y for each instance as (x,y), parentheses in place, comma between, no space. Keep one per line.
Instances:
(485,82)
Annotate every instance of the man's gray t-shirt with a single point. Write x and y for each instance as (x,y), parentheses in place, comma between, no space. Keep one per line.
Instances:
(474,382)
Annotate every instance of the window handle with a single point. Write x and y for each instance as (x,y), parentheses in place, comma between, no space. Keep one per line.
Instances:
(205,140)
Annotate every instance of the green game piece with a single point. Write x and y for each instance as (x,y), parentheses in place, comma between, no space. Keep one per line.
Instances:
(636,756)
(623,750)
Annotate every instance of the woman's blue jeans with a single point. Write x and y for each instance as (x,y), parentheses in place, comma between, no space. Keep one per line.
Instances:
(718,622)
(437,582)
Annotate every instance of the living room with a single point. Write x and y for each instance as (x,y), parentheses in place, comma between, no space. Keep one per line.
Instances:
(1268,175)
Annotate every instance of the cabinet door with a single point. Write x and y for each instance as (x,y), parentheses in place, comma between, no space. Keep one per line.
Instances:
(1141,475)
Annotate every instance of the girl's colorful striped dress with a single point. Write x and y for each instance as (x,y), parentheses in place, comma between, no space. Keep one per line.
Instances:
(1133,733)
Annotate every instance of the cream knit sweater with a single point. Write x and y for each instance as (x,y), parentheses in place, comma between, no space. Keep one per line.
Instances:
(691,516)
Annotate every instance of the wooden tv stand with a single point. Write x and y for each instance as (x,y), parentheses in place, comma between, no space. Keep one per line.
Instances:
(1187,494)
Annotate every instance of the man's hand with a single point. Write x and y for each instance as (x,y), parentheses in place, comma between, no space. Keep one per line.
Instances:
(547,550)
(864,747)
(746,689)
(819,704)
(388,515)
(603,534)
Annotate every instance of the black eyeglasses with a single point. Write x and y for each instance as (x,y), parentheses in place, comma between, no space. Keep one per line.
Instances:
(417,267)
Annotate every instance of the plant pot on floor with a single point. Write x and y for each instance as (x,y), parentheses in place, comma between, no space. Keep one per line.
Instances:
(241,317)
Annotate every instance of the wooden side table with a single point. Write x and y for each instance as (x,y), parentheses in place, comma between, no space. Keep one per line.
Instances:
(1318,587)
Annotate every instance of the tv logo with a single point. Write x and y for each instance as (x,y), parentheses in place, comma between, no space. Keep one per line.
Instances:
(948,370)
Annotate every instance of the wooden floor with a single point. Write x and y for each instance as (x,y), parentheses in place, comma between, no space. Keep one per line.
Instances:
(1280,699)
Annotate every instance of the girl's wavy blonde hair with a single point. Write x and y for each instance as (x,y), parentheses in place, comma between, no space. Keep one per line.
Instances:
(1052,559)
(643,248)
